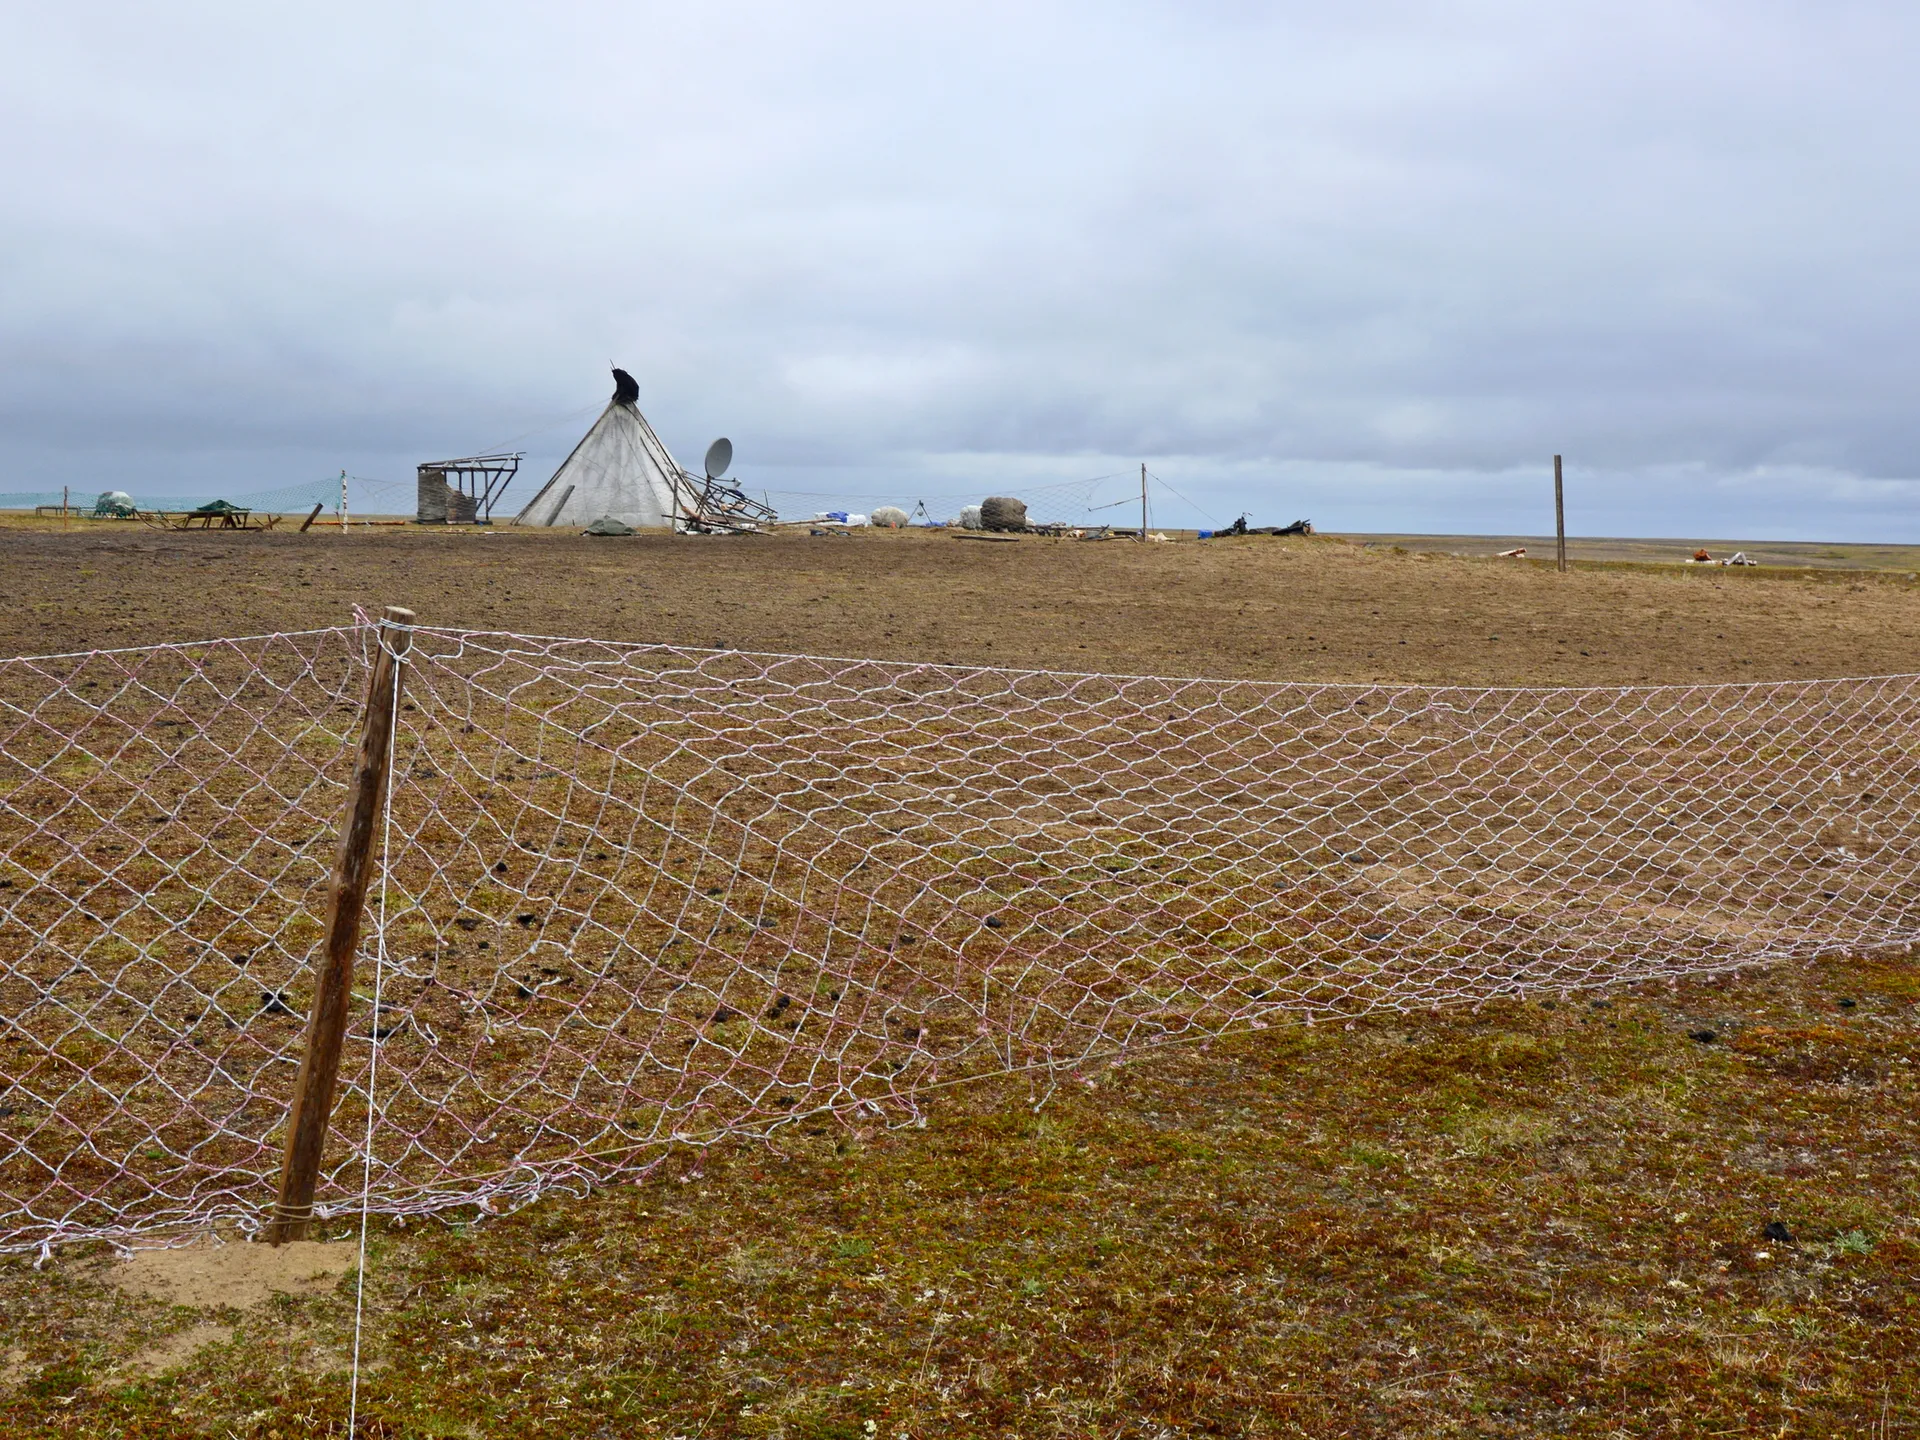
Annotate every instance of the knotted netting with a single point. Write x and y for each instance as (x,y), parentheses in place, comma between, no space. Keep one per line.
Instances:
(641,895)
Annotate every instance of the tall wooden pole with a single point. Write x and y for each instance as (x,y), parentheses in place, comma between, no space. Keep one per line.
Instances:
(312,1110)
(1143,502)
(1559,517)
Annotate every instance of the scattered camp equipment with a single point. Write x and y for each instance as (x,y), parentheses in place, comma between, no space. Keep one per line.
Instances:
(214,515)
(1240,527)
(717,506)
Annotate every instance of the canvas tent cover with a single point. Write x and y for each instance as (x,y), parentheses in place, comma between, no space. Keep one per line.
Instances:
(620,469)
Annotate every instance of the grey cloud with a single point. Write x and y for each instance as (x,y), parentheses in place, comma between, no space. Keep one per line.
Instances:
(1382,260)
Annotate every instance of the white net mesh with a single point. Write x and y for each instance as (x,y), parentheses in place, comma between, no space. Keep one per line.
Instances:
(640,895)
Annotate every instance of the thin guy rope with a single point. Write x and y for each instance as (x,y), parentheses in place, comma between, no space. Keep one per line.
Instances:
(1183,499)
(373,1028)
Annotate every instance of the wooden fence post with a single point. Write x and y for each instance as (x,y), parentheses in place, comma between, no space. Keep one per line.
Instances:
(1559,519)
(312,1108)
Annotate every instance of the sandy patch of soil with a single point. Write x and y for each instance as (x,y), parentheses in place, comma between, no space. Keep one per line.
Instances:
(170,1352)
(231,1276)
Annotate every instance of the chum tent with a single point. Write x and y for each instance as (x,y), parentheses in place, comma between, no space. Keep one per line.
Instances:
(620,469)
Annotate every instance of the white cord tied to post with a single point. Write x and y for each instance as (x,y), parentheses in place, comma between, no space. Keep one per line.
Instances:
(391,621)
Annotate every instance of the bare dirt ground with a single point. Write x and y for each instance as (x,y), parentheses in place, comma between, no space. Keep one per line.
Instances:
(1538,1218)
(1773,554)
(1318,609)
(230,1276)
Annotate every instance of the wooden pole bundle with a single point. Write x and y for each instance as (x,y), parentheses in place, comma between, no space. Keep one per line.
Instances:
(312,1110)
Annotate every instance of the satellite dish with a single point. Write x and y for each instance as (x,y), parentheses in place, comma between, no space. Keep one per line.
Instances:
(719,457)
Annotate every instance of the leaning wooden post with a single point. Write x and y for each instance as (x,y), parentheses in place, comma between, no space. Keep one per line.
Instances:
(312,1110)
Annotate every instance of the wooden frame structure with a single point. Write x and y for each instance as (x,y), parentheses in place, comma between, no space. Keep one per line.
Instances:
(463,492)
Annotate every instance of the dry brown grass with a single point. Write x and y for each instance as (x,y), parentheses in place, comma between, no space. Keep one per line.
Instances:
(1541,1218)
(1280,1234)
(1257,608)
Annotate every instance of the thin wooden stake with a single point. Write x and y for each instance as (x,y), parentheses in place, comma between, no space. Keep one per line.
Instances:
(312,1109)
(318,506)
(1559,516)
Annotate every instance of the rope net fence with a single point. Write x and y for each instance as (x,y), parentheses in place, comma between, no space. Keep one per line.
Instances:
(640,896)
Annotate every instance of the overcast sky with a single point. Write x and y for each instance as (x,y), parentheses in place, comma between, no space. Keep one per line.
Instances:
(1371,264)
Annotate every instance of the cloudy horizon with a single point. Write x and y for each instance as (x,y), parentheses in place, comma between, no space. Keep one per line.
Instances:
(1371,268)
